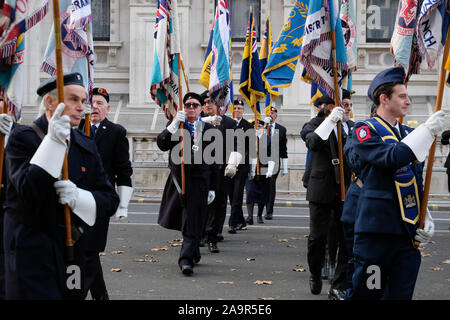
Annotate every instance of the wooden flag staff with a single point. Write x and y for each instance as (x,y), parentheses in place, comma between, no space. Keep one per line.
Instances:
(180,106)
(60,90)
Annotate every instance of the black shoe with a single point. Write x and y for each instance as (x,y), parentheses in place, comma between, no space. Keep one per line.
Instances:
(268,216)
(260,219)
(187,270)
(232,230)
(249,220)
(336,294)
(212,246)
(315,284)
(220,237)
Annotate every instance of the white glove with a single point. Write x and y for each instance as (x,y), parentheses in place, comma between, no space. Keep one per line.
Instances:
(259,133)
(419,141)
(214,120)
(59,126)
(52,150)
(175,124)
(267,120)
(233,162)
(125,193)
(80,201)
(6,122)
(424,235)
(284,166)
(327,125)
(271,166)
(436,123)
(337,114)
(211,196)
(252,169)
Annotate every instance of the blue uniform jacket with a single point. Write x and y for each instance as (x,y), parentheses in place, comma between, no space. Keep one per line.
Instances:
(378,209)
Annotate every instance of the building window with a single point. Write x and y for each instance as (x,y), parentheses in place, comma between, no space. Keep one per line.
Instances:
(239,11)
(100,20)
(380,20)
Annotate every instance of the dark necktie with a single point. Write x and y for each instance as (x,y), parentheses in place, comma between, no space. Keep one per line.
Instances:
(397,133)
(93,129)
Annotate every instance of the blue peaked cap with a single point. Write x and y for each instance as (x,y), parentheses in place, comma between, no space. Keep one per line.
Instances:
(394,74)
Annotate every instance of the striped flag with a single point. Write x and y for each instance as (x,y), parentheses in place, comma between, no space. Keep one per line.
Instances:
(348,21)
(164,83)
(316,53)
(77,45)
(432,29)
(447,67)
(251,84)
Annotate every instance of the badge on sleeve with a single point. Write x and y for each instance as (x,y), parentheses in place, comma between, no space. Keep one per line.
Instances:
(363,133)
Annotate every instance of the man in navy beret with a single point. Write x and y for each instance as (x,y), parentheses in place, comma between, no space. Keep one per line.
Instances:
(34,225)
(390,156)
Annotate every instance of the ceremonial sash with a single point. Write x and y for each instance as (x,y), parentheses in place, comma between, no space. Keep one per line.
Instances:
(404,179)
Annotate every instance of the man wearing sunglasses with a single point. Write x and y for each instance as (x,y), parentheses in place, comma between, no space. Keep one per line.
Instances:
(187,213)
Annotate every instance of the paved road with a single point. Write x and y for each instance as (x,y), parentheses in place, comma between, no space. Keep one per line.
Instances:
(274,254)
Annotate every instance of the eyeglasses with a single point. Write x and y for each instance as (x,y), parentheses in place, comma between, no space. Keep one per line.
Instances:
(191,105)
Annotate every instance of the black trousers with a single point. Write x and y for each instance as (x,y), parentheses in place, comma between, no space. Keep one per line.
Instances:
(94,281)
(217,210)
(272,193)
(320,217)
(349,234)
(236,194)
(190,251)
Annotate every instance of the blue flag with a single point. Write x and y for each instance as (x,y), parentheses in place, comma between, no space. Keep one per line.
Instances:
(251,84)
(283,59)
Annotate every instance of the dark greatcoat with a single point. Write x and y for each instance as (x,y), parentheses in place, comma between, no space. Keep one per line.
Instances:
(34,227)
(113,147)
(199,179)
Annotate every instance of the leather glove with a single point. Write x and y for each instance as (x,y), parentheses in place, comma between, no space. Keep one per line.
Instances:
(436,123)
(175,124)
(424,235)
(337,114)
(214,120)
(211,196)
(80,201)
(284,166)
(6,122)
(233,162)
(59,126)
(252,172)
(271,166)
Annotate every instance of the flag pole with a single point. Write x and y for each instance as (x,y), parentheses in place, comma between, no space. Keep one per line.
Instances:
(184,74)
(180,106)
(339,130)
(430,161)
(60,90)
(2,144)
(87,116)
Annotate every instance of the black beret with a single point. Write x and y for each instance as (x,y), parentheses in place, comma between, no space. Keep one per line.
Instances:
(346,94)
(50,84)
(205,94)
(391,75)
(239,102)
(323,100)
(193,95)
(101,92)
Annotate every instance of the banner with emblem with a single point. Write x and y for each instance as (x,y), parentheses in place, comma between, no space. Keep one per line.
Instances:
(77,45)
(432,29)
(164,81)
(283,59)
(316,54)
(348,21)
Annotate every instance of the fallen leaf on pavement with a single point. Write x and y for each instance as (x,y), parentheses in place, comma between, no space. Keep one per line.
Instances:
(437,269)
(446,261)
(219,261)
(262,298)
(116,270)
(276,272)
(160,249)
(140,260)
(244,228)
(294,238)
(232,269)
(259,282)
(117,252)
(423,254)
(291,246)
(102,254)
(306,236)
(283,240)
(225,282)
(250,259)
(299,269)
(176,245)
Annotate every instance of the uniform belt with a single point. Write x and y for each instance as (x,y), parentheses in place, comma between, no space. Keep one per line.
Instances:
(335,162)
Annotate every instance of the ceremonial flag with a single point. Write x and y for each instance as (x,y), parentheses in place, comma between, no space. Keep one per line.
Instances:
(77,43)
(251,85)
(316,92)
(206,69)
(348,21)
(164,84)
(220,74)
(264,54)
(432,29)
(283,59)
(12,78)
(18,17)
(316,54)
